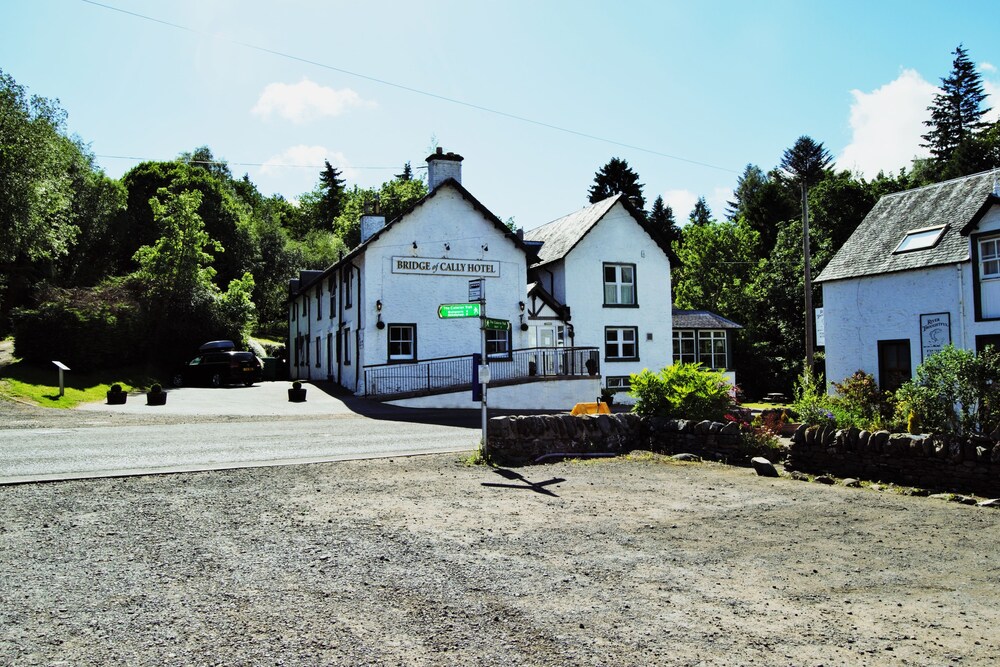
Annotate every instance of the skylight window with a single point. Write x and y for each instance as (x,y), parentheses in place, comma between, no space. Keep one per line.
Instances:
(920,239)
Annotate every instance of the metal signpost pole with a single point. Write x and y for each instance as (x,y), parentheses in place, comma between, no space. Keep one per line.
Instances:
(482,349)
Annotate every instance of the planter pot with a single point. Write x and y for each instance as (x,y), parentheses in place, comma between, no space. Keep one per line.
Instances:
(117,397)
(159,398)
(296,395)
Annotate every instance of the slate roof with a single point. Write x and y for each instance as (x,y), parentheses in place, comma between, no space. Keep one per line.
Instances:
(562,235)
(869,250)
(701,319)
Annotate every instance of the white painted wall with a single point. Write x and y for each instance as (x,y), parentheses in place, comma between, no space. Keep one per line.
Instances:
(861,312)
(552,395)
(445,218)
(618,238)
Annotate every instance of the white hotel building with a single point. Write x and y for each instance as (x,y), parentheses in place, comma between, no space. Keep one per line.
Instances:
(587,297)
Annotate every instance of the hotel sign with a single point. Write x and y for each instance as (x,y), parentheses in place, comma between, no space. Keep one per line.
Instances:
(435,266)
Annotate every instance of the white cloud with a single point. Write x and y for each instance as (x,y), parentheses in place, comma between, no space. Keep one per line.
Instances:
(887,124)
(988,67)
(305,101)
(682,202)
(992,89)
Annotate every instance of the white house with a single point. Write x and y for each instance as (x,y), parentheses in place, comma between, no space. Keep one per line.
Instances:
(602,279)
(373,322)
(921,271)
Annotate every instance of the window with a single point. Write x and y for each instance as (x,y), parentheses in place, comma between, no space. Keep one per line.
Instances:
(920,239)
(619,285)
(712,349)
(619,383)
(319,301)
(621,343)
(989,258)
(348,287)
(893,364)
(402,342)
(684,350)
(319,355)
(497,344)
(347,346)
(332,288)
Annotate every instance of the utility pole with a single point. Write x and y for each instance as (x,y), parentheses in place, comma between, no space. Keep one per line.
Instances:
(807,278)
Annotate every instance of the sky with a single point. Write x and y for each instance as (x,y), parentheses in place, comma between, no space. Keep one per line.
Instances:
(536,95)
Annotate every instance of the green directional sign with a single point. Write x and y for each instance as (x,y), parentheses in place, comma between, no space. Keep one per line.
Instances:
(448,311)
(495,325)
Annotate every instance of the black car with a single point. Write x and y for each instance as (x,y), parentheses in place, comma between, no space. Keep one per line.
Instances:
(215,369)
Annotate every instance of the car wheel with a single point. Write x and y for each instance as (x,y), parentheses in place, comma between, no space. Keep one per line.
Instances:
(177,380)
(216,380)
(248,384)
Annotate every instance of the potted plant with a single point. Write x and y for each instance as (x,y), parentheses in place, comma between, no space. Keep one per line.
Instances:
(156,395)
(116,396)
(297,393)
(608,396)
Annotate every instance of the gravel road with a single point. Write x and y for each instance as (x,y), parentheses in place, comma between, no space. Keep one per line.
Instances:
(414,561)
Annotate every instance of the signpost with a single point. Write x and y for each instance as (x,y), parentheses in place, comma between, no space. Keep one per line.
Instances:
(490,324)
(448,311)
(476,290)
(62,367)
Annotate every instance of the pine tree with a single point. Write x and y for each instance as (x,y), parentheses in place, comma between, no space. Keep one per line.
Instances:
(701,214)
(661,219)
(331,202)
(616,177)
(957,111)
(407,174)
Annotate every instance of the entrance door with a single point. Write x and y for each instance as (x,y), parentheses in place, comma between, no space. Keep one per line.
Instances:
(893,364)
(545,360)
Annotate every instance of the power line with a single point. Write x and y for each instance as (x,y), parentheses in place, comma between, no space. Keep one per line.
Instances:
(410,89)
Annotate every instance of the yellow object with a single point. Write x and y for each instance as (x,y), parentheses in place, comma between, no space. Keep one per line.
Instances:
(591,409)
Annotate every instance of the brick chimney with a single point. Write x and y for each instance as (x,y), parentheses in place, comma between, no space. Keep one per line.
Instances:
(441,166)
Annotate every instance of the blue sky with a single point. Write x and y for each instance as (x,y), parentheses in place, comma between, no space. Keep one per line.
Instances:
(535,95)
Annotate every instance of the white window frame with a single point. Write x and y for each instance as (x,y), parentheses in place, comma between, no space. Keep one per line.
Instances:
(498,344)
(621,342)
(682,339)
(712,357)
(618,383)
(989,262)
(920,239)
(394,336)
(620,290)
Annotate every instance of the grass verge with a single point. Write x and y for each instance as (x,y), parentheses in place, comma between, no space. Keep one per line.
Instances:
(39,384)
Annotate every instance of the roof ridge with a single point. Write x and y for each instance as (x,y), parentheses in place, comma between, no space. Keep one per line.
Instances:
(941,183)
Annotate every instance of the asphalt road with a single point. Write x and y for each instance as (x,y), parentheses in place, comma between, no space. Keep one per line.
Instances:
(210,429)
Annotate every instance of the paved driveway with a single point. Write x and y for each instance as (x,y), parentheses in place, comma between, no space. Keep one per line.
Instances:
(209,429)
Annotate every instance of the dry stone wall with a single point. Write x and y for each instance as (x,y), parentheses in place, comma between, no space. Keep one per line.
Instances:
(940,462)
(525,440)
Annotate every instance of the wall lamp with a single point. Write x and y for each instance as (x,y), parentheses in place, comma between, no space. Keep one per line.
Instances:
(379,324)
(524,325)
(486,247)
(414,245)
(447,246)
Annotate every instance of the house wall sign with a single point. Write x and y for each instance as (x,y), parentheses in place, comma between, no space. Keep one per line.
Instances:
(935,333)
(435,266)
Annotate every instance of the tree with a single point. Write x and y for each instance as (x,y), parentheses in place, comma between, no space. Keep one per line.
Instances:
(957,110)
(763,201)
(700,214)
(616,177)
(407,174)
(331,202)
(805,163)
(661,219)
(202,158)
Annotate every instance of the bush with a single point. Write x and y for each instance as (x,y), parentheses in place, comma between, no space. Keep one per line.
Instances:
(811,400)
(860,403)
(681,391)
(953,392)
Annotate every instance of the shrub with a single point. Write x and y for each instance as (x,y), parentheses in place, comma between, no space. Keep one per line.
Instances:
(681,391)
(953,392)
(811,401)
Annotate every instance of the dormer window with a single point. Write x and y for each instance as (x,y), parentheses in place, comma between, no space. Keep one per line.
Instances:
(920,239)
